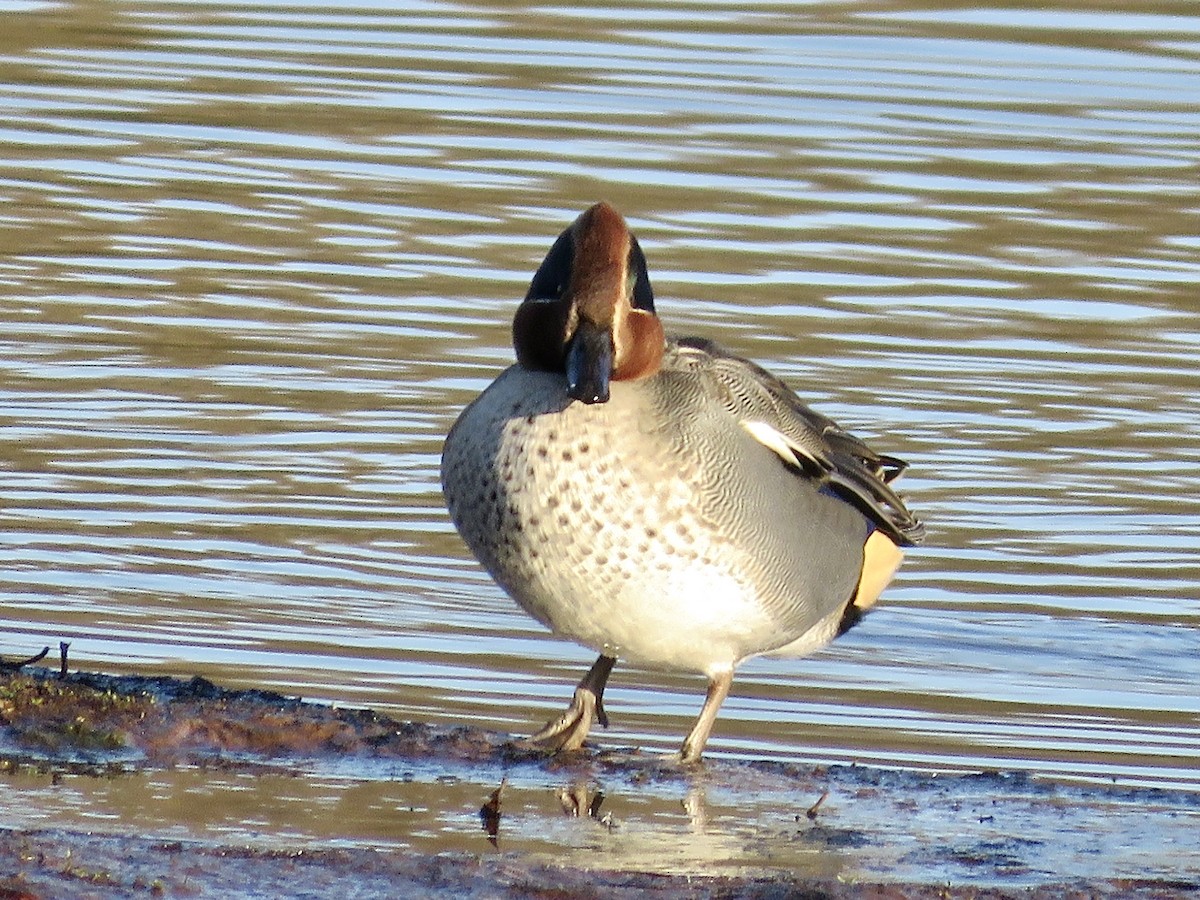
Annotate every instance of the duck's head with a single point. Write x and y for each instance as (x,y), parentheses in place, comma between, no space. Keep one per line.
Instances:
(589,312)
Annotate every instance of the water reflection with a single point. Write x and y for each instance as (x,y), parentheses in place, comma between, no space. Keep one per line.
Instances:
(254,261)
(857,825)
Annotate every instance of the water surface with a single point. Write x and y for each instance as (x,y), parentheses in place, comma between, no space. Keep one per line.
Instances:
(254,260)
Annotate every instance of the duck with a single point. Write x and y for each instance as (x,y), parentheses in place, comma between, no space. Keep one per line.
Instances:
(659,499)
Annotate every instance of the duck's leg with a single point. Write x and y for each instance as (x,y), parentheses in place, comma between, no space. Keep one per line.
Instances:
(569,730)
(718,690)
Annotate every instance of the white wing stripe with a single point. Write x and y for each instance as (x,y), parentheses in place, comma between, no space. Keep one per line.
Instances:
(773,439)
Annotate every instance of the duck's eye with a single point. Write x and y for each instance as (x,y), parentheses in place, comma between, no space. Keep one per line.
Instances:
(553,275)
(640,292)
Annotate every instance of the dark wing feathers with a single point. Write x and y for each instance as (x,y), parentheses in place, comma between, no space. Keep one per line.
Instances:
(814,444)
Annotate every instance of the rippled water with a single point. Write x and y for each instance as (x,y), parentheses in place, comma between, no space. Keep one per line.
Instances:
(254,260)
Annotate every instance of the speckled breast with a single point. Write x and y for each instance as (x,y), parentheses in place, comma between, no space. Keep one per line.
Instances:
(603,525)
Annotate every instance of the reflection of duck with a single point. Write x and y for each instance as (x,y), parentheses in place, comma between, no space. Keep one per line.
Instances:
(661,501)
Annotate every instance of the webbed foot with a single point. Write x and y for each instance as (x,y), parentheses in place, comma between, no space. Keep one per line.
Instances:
(569,730)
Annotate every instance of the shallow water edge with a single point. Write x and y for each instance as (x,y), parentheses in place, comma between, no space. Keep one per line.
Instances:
(197,789)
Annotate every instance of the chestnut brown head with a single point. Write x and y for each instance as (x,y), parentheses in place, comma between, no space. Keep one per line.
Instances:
(589,311)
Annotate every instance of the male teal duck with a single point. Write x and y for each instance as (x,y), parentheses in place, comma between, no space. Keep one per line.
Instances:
(660,500)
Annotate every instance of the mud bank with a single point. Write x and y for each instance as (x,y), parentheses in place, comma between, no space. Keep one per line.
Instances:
(121,786)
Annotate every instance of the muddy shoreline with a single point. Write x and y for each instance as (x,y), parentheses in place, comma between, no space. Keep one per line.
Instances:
(383,808)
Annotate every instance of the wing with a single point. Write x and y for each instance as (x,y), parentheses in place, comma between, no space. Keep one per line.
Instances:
(813,444)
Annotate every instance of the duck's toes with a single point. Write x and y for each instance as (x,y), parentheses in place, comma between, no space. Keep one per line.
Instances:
(685,757)
(569,730)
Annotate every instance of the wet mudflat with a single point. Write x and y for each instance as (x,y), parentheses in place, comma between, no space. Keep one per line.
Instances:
(134,786)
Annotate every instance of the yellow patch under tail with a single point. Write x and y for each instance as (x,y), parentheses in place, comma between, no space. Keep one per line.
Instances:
(881,559)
